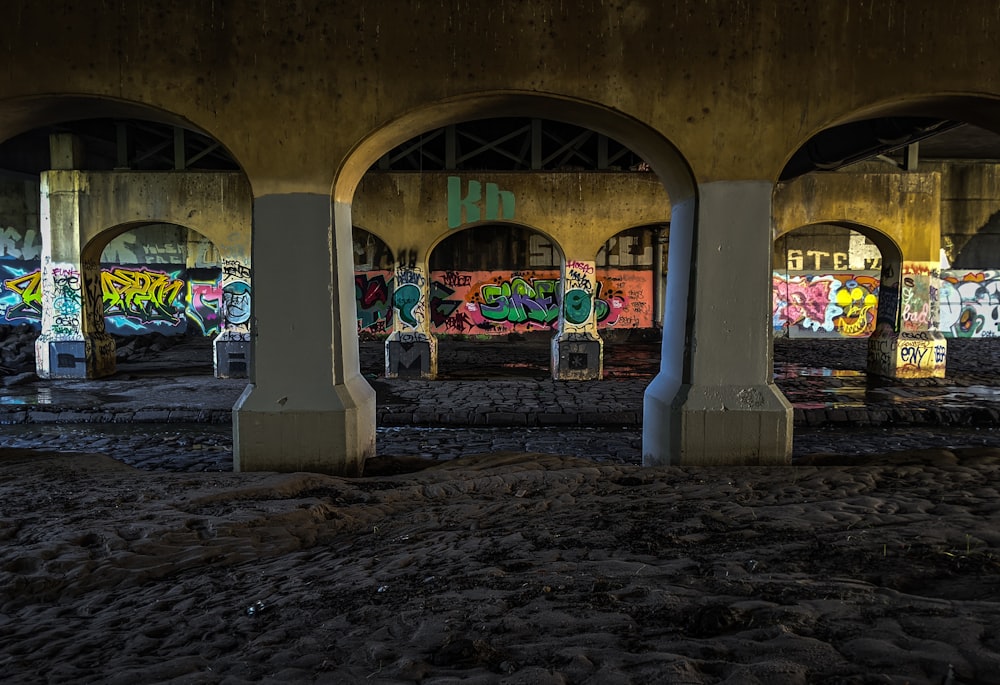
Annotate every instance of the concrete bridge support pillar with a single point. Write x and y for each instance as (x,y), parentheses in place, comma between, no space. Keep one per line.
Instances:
(411,349)
(73,342)
(714,400)
(307,407)
(907,341)
(231,347)
(577,349)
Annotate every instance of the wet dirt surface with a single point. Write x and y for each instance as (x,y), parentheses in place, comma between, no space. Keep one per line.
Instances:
(180,379)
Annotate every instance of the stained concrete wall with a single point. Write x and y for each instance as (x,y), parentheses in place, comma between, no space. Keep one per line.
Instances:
(413,212)
(904,207)
(292,88)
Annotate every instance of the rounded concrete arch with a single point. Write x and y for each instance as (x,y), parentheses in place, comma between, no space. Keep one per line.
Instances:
(446,235)
(663,157)
(825,302)
(890,249)
(21,114)
(974,108)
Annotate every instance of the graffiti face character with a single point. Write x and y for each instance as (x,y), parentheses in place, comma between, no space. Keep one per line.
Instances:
(236,303)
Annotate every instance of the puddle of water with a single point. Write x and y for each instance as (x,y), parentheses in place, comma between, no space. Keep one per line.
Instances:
(785,371)
(33,396)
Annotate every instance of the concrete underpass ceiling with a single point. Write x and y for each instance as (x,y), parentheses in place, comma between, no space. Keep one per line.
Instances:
(153,146)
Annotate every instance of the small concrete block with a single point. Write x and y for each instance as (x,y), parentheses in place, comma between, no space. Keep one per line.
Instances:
(75,417)
(549,419)
(124,417)
(425,417)
(151,416)
(815,417)
(457,418)
(183,416)
(43,417)
(505,418)
(836,415)
(859,416)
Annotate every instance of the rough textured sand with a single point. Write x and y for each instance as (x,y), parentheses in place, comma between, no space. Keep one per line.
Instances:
(505,568)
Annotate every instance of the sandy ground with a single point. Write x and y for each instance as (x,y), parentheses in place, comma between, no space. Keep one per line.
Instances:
(503,568)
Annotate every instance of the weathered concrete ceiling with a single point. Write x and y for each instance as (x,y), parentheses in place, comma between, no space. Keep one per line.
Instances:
(292,89)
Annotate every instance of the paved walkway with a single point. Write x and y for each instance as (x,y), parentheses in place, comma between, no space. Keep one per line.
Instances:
(507,384)
(168,412)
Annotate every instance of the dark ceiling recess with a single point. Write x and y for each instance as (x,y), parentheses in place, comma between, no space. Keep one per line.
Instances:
(842,145)
(130,144)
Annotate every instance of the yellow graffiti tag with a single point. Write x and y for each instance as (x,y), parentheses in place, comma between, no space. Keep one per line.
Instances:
(29,289)
(140,294)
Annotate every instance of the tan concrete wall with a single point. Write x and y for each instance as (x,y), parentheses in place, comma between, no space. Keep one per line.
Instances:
(579,211)
(904,207)
(216,205)
(292,88)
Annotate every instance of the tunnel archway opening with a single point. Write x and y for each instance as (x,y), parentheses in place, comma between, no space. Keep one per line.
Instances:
(825,282)
(49,141)
(162,296)
(495,283)
(497,146)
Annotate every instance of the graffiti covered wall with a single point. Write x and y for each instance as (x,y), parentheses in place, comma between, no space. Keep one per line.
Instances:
(970,303)
(846,304)
(825,305)
(504,302)
(166,299)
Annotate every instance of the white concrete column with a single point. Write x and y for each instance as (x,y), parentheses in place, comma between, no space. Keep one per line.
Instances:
(72,342)
(307,407)
(411,349)
(577,349)
(714,400)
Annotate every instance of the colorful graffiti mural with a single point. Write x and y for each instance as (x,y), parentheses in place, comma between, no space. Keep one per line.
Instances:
(135,300)
(499,303)
(825,305)
(846,305)
(970,304)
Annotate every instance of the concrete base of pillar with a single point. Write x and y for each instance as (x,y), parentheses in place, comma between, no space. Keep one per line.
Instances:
(907,355)
(577,360)
(329,429)
(232,357)
(411,359)
(693,425)
(90,357)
